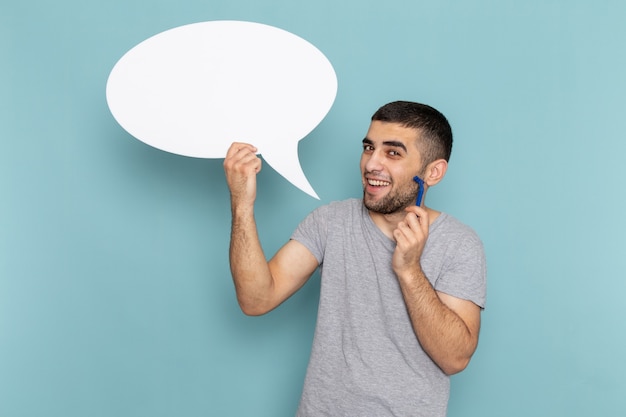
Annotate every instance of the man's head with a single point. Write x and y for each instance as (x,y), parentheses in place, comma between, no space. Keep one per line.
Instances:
(435,134)
(404,139)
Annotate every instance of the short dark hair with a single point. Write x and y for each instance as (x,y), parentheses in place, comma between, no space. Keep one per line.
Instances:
(435,131)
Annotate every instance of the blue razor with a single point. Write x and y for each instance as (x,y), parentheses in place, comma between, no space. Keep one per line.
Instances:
(420,191)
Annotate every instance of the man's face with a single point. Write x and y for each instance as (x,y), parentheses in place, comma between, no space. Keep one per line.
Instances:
(389,162)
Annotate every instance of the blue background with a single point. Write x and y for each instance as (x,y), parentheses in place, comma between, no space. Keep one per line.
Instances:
(115,293)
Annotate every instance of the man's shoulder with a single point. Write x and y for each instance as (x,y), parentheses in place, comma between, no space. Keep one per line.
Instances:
(449,225)
(342,206)
(333,211)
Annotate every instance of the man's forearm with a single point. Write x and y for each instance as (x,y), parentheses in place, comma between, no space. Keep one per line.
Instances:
(248,265)
(442,333)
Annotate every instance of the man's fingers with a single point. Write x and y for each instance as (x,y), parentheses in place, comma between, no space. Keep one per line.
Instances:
(417,217)
(242,156)
(238,147)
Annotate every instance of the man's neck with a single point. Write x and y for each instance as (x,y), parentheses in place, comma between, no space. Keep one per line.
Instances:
(387,223)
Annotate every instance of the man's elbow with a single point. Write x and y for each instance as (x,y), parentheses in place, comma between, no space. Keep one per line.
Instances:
(253,312)
(253,308)
(455,366)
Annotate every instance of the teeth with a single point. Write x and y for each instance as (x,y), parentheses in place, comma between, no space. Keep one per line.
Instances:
(377,183)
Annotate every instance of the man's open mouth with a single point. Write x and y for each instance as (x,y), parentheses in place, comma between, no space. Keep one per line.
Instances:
(378,183)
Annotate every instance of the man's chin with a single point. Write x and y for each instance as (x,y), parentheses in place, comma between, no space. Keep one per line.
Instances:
(386,205)
(370,201)
(377,206)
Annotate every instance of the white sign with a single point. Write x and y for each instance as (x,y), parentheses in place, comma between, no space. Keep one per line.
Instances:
(195,89)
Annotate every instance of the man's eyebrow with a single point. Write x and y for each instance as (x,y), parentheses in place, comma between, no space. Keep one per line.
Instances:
(394,143)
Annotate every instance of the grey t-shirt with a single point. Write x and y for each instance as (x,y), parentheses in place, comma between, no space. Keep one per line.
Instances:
(366,359)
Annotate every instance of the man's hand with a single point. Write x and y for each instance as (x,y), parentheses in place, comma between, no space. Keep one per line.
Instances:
(411,235)
(241,166)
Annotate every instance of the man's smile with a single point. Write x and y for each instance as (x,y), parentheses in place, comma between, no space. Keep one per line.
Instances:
(377,183)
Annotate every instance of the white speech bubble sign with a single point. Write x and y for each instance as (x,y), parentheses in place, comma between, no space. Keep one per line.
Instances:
(195,89)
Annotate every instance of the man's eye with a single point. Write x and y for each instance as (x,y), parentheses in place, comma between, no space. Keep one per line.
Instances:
(394,153)
(367,148)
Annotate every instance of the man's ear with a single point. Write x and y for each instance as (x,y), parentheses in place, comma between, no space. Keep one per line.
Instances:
(435,171)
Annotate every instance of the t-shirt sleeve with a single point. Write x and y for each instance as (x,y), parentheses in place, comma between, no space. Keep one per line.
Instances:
(465,272)
(312,232)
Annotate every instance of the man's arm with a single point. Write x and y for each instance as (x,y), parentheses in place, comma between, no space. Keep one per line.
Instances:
(260,285)
(447,327)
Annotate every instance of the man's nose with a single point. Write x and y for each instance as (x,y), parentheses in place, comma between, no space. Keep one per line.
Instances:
(374,162)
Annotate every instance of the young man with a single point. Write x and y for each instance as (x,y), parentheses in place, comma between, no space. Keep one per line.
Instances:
(402,285)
